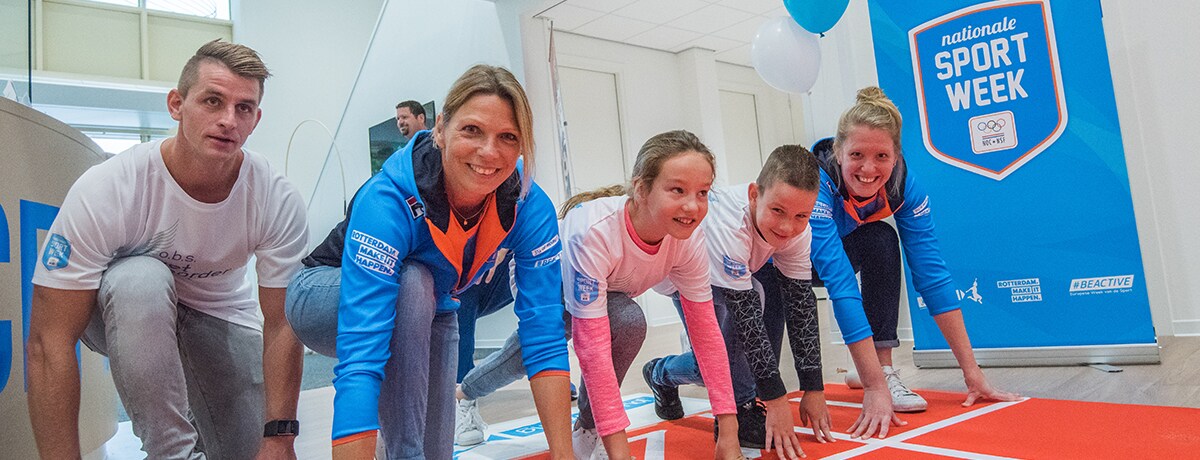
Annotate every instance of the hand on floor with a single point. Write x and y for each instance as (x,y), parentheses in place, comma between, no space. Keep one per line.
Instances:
(814,411)
(978,388)
(781,429)
(876,416)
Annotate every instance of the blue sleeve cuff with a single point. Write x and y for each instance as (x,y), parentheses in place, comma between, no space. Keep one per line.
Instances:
(941,299)
(355,405)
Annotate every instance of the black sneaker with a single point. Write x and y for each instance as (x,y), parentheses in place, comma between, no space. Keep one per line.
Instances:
(752,425)
(666,398)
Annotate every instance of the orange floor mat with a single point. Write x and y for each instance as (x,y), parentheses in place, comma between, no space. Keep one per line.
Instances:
(1033,428)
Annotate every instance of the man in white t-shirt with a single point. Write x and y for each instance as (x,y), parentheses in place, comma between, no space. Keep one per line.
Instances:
(146,263)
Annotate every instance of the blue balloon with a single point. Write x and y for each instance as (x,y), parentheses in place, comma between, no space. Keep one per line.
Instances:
(816,16)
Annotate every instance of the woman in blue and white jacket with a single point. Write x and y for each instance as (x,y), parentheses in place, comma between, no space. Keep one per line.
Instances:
(443,211)
(863,181)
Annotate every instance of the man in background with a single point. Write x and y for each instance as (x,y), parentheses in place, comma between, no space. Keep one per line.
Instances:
(410,118)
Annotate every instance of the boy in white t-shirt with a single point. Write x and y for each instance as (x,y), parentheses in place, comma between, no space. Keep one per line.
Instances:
(747,225)
(146,263)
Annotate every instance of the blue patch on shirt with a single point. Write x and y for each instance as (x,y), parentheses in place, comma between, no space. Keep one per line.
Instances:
(58,252)
(734,268)
(587,289)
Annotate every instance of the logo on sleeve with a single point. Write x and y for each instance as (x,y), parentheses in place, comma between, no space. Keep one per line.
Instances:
(374,255)
(923,209)
(587,289)
(545,247)
(58,252)
(822,211)
(547,261)
(734,268)
(415,207)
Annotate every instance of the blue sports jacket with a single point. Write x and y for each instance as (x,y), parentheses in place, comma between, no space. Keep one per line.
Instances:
(836,214)
(401,215)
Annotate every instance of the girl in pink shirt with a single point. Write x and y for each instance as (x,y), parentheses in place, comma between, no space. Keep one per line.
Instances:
(614,249)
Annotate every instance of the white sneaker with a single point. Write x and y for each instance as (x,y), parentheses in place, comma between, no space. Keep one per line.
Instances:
(468,425)
(853,381)
(587,446)
(903,399)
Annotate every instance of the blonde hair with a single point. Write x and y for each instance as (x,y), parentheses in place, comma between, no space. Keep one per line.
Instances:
(239,59)
(483,80)
(871,109)
(584,197)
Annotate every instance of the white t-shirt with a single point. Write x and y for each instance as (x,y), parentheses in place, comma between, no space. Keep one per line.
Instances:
(130,205)
(599,255)
(735,248)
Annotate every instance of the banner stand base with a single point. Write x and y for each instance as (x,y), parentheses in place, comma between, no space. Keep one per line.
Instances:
(1142,353)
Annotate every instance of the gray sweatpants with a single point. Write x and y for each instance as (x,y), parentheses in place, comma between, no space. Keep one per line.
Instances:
(191,383)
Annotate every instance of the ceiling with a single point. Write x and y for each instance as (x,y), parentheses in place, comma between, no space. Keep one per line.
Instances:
(724,26)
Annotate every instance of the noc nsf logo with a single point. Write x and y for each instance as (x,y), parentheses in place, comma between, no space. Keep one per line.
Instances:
(992,132)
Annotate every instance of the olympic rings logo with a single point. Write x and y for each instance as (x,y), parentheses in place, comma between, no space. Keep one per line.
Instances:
(993,126)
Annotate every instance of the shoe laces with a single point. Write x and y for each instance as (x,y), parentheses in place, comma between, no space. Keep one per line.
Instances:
(468,413)
(895,385)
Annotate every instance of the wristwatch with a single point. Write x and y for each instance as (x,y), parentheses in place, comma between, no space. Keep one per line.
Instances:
(281,428)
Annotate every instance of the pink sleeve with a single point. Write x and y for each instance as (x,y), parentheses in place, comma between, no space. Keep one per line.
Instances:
(709,348)
(593,346)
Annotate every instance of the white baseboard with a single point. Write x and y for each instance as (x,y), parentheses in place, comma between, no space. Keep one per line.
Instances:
(1187,327)
(1045,356)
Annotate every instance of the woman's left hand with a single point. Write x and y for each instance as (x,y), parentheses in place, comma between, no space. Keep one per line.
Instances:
(978,388)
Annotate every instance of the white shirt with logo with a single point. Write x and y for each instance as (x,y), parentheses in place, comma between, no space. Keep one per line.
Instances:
(130,205)
(599,255)
(735,248)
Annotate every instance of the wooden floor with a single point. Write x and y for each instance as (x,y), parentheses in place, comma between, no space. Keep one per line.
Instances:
(1174,382)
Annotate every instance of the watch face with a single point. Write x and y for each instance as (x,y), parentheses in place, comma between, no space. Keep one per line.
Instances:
(282,428)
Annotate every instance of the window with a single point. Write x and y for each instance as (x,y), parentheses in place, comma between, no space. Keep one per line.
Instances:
(114,140)
(215,9)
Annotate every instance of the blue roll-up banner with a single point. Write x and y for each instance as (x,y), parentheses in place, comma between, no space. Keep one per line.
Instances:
(1011,126)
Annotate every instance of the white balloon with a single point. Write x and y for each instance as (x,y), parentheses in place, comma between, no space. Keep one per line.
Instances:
(785,55)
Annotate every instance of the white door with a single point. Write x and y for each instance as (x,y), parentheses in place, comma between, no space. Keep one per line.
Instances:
(743,150)
(595,154)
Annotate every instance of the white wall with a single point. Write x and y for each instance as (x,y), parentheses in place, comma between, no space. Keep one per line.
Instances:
(314,53)
(1153,58)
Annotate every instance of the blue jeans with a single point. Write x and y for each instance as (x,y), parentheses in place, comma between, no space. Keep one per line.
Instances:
(191,383)
(416,398)
(502,367)
(478,301)
(682,369)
